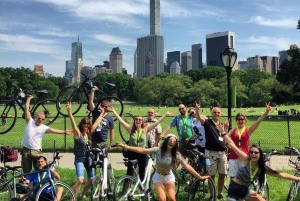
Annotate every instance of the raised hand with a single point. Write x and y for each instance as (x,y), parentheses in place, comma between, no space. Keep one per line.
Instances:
(197,104)
(169,113)
(68,105)
(268,107)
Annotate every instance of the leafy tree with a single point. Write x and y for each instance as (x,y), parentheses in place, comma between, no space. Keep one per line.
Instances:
(194,74)
(210,72)
(61,82)
(253,76)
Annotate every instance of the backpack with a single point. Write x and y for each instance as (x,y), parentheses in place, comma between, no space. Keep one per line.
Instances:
(8,154)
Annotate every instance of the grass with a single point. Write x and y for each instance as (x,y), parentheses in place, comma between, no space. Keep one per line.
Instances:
(273,133)
(278,187)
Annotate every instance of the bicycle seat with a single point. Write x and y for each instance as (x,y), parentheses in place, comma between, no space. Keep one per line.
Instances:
(131,162)
(110,84)
(12,167)
(43,91)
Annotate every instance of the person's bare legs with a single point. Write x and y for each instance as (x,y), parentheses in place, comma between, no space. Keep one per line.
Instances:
(86,187)
(160,191)
(171,193)
(59,192)
(221,181)
(77,185)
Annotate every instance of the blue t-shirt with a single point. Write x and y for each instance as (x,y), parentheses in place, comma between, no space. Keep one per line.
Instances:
(181,125)
(36,177)
(101,131)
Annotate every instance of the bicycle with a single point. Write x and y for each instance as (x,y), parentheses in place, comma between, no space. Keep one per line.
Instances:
(294,162)
(46,191)
(103,182)
(8,107)
(76,94)
(132,188)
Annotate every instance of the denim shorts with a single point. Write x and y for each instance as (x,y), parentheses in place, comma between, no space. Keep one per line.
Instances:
(236,191)
(164,179)
(79,165)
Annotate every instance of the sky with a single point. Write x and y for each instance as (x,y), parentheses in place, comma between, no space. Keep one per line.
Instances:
(41,31)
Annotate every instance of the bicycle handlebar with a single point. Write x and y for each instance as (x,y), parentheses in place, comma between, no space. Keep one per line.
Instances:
(293,150)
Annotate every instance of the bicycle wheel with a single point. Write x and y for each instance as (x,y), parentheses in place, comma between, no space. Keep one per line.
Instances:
(292,194)
(114,102)
(183,172)
(152,188)
(97,184)
(110,180)
(202,190)
(5,191)
(47,106)
(9,109)
(124,189)
(72,94)
(264,192)
(128,118)
(60,191)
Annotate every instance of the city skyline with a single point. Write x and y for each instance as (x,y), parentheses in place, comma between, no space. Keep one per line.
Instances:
(28,36)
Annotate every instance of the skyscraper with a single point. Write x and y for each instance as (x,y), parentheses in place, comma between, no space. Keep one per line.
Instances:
(186,61)
(171,57)
(115,60)
(197,56)
(67,72)
(75,56)
(153,44)
(282,56)
(215,44)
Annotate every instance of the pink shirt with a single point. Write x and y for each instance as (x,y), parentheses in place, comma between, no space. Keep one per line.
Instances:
(244,143)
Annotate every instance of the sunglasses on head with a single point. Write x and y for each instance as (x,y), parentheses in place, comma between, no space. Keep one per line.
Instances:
(40,118)
(254,152)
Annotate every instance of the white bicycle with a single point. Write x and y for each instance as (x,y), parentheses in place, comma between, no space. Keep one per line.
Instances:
(102,188)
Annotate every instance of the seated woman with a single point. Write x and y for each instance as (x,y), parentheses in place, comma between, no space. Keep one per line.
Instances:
(253,168)
(167,157)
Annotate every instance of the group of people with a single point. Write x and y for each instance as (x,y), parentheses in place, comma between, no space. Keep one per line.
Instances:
(212,136)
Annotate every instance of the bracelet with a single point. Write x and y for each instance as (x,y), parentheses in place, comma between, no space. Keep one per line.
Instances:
(126,147)
(224,134)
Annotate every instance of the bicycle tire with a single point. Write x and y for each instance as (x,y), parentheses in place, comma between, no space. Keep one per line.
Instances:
(97,183)
(114,102)
(67,192)
(291,192)
(152,188)
(10,110)
(48,106)
(123,188)
(183,171)
(69,94)
(264,192)
(5,191)
(199,190)
(128,118)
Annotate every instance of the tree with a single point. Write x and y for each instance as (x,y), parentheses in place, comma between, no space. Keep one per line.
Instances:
(298,26)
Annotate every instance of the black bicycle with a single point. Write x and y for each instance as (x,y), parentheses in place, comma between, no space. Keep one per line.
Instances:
(76,95)
(9,110)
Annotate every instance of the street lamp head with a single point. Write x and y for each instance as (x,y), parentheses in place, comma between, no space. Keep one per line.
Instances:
(228,57)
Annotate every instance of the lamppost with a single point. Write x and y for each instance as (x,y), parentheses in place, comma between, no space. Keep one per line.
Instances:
(228,58)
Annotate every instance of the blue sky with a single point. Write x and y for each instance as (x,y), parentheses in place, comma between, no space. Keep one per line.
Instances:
(41,31)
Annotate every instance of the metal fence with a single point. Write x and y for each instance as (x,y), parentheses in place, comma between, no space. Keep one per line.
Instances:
(275,132)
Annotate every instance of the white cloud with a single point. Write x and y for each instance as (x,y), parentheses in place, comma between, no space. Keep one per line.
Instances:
(114,40)
(53,31)
(284,22)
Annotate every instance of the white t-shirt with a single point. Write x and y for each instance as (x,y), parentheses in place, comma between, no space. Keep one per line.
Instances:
(33,135)
(198,140)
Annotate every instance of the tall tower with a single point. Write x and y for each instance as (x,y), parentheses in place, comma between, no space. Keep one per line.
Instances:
(149,65)
(154,17)
(153,43)
(75,56)
(171,57)
(215,44)
(197,56)
(115,60)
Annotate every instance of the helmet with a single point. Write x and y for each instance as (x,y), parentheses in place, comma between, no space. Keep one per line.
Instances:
(22,188)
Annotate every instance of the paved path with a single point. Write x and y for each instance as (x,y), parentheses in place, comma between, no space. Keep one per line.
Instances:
(116,160)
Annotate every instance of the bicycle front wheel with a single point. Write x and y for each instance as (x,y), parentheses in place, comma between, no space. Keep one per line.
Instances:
(60,191)
(114,102)
(202,190)
(129,119)
(124,189)
(47,106)
(8,109)
(5,191)
(264,192)
(70,94)
(292,191)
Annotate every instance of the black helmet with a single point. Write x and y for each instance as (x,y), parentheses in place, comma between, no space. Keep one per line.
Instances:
(22,188)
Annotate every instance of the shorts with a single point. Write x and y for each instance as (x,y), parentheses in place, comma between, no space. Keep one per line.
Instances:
(220,165)
(234,165)
(164,179)
(236,191)
(79,165)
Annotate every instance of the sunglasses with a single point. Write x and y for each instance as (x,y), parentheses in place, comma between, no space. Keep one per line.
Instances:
(240,119)
(150,112)
(138,119)
(104,106)
(86,123)
(216,112)
(192,113)
(180,108)
(254,152)
(40,118)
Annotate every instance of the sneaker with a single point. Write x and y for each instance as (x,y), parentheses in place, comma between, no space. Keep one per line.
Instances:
(83,197)
(220,196)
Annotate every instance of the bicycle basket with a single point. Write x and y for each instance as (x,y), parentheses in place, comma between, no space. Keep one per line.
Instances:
(293,160)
